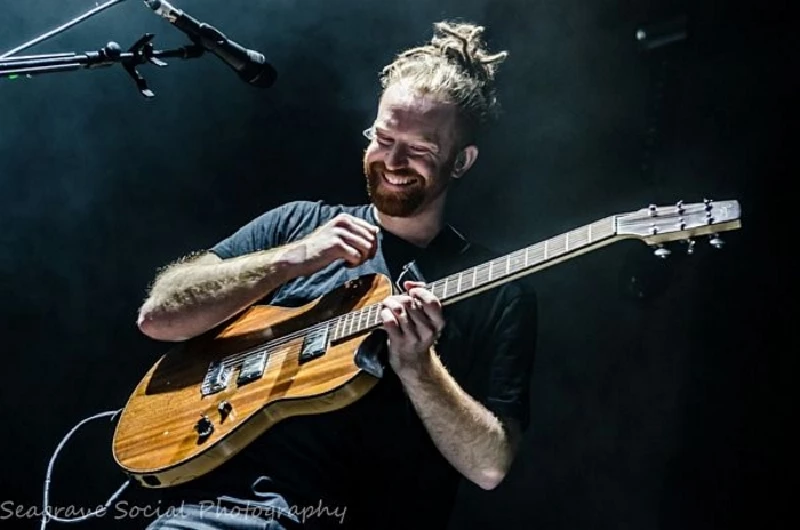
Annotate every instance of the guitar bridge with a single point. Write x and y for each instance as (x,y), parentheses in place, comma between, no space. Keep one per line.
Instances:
(315,344)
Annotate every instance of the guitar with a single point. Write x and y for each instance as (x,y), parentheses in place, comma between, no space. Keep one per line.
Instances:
(207,398)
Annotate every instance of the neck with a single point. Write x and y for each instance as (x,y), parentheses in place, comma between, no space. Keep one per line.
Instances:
(419,229)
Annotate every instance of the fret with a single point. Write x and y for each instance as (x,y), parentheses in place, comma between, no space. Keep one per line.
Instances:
(584,232)
(519,261)
(474,272)
(566,242)
(436,290)
(508,264)
(352,321)
(458,287)
(444,290)
(545,249)
(557,246)
(590,233)
(358,324)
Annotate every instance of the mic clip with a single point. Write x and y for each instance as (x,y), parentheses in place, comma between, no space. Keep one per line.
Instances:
(143,50)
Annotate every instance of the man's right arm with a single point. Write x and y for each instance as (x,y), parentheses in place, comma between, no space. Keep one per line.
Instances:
(192,296)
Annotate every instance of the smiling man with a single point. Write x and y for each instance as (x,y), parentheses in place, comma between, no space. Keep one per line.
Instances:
(454,404)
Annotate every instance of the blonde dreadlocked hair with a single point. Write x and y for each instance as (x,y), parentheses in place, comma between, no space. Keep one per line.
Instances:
(454,65)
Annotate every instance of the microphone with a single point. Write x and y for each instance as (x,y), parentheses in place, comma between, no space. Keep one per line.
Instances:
(248,64)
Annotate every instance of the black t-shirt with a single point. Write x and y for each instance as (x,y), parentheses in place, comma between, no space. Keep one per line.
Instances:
(375,455)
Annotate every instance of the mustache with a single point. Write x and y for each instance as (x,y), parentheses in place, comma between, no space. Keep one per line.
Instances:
(380,167)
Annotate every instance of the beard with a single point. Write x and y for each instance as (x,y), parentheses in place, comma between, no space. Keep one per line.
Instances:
(408,201)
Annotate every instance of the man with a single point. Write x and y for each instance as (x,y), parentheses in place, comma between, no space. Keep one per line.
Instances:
(454,402)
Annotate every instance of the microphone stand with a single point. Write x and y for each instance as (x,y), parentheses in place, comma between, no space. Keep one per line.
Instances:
(140,53)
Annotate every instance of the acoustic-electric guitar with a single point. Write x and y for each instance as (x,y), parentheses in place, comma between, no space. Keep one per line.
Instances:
(207,398)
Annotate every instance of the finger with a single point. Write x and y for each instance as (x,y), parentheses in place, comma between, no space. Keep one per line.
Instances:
(398,302)
(364,224)
(423,295)
(408,284)
(360,227)
(424,329)
(351,255)
(432,307)
(364,248)
(400,305)
(389,322)
(367,239)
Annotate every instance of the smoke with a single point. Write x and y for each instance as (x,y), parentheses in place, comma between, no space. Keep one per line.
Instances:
(99,187)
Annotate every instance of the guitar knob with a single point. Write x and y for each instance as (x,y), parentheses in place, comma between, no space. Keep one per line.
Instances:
(204,427)
(224,409)
(662,252)
(716,241)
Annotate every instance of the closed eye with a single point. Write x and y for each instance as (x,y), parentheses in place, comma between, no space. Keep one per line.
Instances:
(383,140)
(419,149)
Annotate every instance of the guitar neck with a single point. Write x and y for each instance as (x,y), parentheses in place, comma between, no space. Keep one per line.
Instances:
(493,273)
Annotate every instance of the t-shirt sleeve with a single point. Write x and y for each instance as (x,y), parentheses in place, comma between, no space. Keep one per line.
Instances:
(512,350)
(271,229)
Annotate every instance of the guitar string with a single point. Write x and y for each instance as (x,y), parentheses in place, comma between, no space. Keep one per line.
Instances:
(479,274)
(536,254)
(231,361)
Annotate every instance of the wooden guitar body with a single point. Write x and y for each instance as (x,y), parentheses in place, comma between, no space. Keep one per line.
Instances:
(171,431)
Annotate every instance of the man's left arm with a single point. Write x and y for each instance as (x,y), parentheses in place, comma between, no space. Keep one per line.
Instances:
(479,441)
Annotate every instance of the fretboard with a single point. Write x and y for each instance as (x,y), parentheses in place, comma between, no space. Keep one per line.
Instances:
(490,274)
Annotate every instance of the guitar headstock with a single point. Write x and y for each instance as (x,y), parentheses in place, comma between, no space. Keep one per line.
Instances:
(657,225)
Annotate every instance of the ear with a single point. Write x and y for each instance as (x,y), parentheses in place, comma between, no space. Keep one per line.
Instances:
(464,160)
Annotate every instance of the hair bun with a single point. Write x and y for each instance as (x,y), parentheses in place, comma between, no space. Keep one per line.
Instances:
(463,44)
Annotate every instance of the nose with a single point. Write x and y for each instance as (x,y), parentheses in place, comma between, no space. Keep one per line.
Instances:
(396,157)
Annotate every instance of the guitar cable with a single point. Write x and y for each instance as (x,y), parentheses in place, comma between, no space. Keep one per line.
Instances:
(46,515)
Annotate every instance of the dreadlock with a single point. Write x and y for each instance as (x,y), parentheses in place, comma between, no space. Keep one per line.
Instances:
(456,66)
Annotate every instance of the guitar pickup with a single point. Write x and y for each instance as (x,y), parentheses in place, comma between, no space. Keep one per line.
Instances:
(252,368)
(315,344)
(216,379)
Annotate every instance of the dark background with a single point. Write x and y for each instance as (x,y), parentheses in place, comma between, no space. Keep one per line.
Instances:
(660,391)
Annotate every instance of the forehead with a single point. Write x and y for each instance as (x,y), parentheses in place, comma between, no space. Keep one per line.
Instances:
(404,111)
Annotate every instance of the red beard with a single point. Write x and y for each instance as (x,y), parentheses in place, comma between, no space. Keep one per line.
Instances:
(401,202)
(394,202)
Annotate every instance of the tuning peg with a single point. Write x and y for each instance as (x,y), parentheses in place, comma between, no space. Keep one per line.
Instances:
(707,203)
(662,252)
(689,246)
(653,212)
(680,208)
(716,241)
